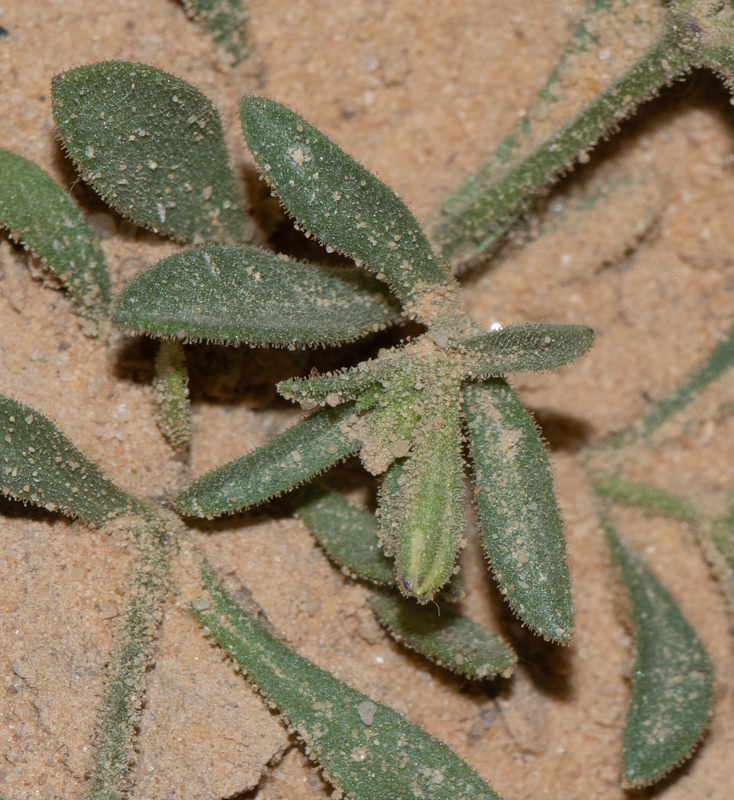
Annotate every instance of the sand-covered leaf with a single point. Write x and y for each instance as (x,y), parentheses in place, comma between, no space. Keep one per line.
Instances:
(39,465)
(424,516)
(445,636)
(369,751)
(299,453)
(672,683)
(524,348)
(247,295)
(227,23)
(347,533)
(343,204)
(520,526)
(171,394)
(152,146)
(39,213)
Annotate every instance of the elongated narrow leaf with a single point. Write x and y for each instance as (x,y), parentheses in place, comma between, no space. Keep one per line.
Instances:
(653,498)
(245,294)
(152,146)
(445,636)
(672,684)
(227,23)
(39,465)
(40,214)
(518,515)
(426,513)
(347,533)
(336,387)
(341,203)
(171,393)
(304,450)
(368,751)
(523,348)
(131,657)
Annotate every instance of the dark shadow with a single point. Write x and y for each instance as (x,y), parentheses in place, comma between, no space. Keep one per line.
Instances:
(14,509)
(562,432)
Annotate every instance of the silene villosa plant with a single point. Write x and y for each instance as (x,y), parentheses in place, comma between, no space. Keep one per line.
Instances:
(152,146)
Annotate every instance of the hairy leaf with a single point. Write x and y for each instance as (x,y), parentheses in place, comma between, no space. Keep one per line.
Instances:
(152,146)
(672,684)
(132,656)
(368,751)
(653,498)
(521,529)
(523,348)
(304,450)
(344,205)
(171,393)
(426,517)
(336,387)
(245,294)
(347,533)
(227,22)
(445,636)
(39,465)
(41,214)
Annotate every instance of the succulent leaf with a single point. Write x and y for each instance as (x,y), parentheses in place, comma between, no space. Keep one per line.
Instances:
(335,388)
(171,393)
(388,756)
(345,206)
(244,294)
(672,684)
(524,348)
(132,656)
(304,450)
(446,637)
(347,533)
(520,526)
(39,465)
(39,213)
(152,146)
(426,514)
(652,498)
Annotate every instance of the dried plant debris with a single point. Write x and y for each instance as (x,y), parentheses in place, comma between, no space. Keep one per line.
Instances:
(672,684)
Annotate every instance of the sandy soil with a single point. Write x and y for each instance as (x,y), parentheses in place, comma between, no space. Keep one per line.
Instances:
(421,93)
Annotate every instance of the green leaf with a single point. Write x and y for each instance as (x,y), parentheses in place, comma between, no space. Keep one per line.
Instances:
(227,22)
(304,450)
(348,534)
(518,515)
(152,146)
(424,515)
(344,205)
(523,348)
(40,214)
(368,751)
(171,393)
(672,684)
(244,294)
(652,498)
(337,387)
(132,656)
(39,465)
(446,637)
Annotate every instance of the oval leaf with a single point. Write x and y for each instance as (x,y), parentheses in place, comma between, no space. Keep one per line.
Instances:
(244,294)
(528,348)
(520,527)
(348,534)
(341,203)
(446,637)
(152,146)
(40,214)
(305,449)
(672,684)
(39,465)
(368,751)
